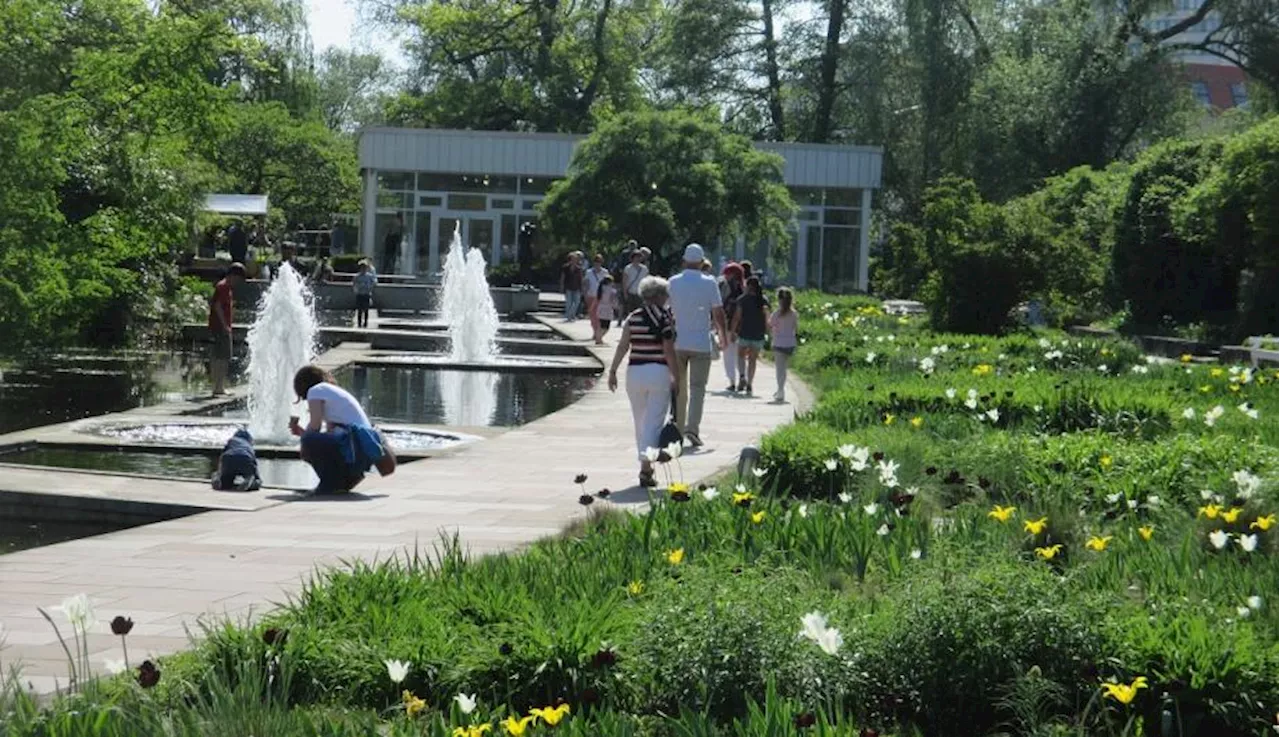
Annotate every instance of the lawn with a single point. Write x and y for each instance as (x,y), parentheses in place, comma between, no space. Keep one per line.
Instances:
(1034,534)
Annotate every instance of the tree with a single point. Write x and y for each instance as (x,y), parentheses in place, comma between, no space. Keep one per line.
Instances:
(666,179)
(540,65)
(350,87)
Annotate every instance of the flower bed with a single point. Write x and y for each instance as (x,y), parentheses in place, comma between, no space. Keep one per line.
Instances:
(1085,544)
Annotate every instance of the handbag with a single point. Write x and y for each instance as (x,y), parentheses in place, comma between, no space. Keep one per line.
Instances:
(671,431)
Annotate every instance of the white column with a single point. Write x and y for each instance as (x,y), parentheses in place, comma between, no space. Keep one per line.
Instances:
(369,214)
(864,238)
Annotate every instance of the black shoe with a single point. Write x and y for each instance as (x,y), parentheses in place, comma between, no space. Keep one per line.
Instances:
(732,387)
(693,440)
(750,391)
(647,480)
(742,385)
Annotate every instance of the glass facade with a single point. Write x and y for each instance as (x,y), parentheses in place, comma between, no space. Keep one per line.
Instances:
(487,211)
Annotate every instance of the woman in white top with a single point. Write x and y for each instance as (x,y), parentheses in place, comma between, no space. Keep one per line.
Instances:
(333,415)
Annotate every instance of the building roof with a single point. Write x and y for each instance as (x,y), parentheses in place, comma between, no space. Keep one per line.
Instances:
(236,204)
(548,154)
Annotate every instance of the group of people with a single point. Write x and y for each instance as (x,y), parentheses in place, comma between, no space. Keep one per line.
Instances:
(671,333)
(338,440)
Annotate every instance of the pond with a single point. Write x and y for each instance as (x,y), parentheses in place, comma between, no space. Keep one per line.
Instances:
(285,472)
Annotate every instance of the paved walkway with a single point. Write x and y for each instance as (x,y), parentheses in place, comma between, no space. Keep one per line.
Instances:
(496,494)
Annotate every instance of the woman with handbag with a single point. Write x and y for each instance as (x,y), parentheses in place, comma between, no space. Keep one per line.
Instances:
(648,335)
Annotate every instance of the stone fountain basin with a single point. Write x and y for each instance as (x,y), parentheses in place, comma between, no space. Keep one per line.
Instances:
(194,433)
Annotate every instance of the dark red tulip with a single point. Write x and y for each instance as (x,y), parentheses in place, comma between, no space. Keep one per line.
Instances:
(121,626)
(868,732)
(580,478)
(148,674)
(804,720)
(274,636)
(604,658)
(603,493)
(586,499)
(505,649)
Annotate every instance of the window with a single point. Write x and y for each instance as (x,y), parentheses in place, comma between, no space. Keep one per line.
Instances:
(1200,91)
(467,202)
(810,214)
(429,201)
(833,216)
(536,185)
(529,204)
(395,180)
(433,182)
(503,204)
(844,197)
(807,196)
(396,200)
(1239,95)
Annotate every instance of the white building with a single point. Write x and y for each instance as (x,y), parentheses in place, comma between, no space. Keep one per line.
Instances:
(487,184)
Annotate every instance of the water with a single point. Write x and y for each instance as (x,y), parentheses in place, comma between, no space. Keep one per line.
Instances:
(24,534)
(429,396)
(281,340)
(466,305)
(216,434)
(191,465)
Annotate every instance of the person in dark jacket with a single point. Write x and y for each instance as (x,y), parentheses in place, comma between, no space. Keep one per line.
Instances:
(238,464)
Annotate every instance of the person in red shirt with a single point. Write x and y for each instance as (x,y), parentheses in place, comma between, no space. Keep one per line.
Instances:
(220,310)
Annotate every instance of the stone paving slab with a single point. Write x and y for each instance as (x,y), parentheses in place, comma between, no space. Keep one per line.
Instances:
(497,494)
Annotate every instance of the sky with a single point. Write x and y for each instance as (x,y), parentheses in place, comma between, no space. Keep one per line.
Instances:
(336,23)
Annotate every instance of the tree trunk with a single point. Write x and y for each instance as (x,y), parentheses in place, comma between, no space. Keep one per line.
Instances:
(827,80)
(772,73)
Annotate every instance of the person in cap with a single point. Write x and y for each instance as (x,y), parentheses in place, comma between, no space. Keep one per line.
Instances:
(699,318)
(632,275)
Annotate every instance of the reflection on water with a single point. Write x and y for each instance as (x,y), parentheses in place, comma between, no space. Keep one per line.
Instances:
(460,398)
(18,535)
(274,471)
(75,385)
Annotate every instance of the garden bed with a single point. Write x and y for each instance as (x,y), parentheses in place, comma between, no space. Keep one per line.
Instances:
(1040,533)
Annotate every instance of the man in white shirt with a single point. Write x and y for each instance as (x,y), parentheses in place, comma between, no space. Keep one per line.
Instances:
(696,305)
(632,275)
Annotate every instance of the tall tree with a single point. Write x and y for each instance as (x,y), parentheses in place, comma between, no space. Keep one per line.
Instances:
(350,88)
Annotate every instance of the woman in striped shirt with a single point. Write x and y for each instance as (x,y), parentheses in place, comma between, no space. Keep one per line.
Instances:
(649,336)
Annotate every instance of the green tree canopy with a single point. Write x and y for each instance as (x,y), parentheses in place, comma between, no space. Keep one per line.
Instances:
(666,179)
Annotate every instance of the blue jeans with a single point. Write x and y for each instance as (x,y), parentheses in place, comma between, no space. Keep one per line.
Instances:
(323,451)
(572,304)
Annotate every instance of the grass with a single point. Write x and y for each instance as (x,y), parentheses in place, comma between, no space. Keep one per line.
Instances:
(686,620)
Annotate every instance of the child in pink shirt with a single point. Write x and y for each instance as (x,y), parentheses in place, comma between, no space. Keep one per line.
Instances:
(606,304)
(782,325)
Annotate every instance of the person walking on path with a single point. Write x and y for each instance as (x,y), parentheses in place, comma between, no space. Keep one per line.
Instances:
(571,286)
(606,305)
(649,336)
(696,307)
(363,284)
(750,326)
(731,287)
(391,245)
(221,308)
(591,286)
(782,325)
(632,275)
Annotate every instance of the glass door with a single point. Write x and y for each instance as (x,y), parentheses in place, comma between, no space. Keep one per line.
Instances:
(420,261)
(480,234)
(813,257)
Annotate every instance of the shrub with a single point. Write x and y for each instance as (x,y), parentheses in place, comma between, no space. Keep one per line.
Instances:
(714,638)
(950,638)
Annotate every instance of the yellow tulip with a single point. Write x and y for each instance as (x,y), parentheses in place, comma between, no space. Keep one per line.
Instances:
(1098,544)
(1229,515)
(888,419)
(744,497)
(1122,692)
(677,488)
(1049,552)
(917,422)
(1263,523)
(982,369)
(1215,372)
(1209,511)
(1001,514)
(1186,358)
(475,730)
(1204,389)
(1146,531)
(1105,461)
(1036,526)
(758,517)
(675,557)
(551,715)
(412,704)
(635,588)
(516,727)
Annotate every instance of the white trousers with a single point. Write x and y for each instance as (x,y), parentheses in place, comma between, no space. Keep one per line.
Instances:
(649,389)
(732,362)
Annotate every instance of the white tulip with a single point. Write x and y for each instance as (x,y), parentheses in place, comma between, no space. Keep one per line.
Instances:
(397,670)
(466,704)
(1219,539)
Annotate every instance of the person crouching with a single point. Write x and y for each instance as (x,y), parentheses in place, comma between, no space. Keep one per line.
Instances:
(338,440)
(238,464)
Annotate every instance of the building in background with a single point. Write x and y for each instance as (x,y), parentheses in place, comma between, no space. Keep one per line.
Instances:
(1214,81)
(486,184)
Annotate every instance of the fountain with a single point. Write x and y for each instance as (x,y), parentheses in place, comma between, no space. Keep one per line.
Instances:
(467,306)
(467,309)
(282,340)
